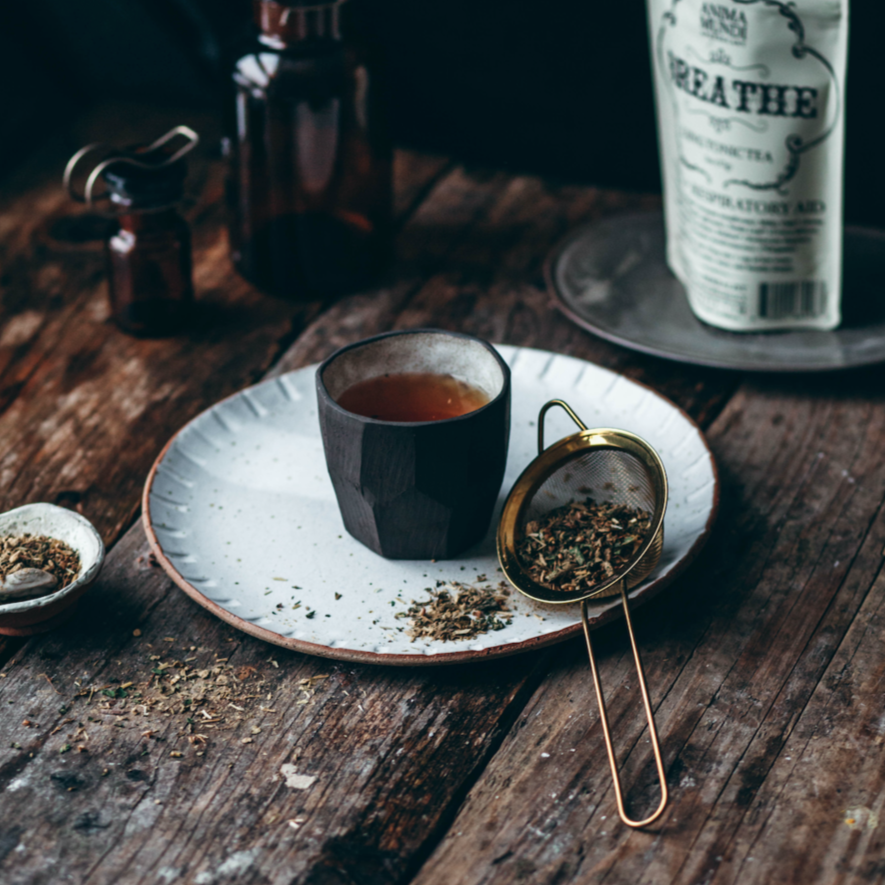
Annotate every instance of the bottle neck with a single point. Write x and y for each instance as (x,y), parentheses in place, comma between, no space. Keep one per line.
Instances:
(283,23)
(137,222)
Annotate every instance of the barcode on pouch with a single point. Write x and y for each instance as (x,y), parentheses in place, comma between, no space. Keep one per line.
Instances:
(778,301)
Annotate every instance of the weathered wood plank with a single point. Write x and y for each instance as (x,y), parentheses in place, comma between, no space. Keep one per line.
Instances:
(415,176)
(822,800)
(749,665)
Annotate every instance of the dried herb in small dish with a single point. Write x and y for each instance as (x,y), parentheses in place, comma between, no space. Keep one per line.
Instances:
(457,611)
(18,552)
(576,547)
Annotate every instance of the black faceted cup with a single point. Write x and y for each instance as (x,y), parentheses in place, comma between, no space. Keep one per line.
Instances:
(424,489)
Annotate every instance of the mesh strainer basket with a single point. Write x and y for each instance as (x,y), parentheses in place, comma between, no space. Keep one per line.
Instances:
(611,467)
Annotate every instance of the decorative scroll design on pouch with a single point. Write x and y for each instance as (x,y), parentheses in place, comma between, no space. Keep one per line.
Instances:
(723,124)
(694,168)
(670,15)
(721,57)
(723,163)
(795,144)
(667,19)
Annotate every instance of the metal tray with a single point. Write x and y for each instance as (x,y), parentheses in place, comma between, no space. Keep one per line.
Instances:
(611,278)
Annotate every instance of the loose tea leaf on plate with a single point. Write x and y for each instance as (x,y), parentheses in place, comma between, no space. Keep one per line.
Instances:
(576,547)
(457,611)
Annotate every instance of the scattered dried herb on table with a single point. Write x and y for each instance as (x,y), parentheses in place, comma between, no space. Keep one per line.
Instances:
(577,546)
(50,555)
(457,611)
(175,704)
(196,700)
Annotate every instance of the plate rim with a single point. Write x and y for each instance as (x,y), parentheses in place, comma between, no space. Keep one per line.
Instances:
(560,302)
(637,596)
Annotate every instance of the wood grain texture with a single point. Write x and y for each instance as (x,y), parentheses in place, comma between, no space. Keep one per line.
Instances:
(765,665)
(393,751)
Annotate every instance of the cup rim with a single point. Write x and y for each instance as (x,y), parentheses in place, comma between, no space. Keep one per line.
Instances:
(330,400)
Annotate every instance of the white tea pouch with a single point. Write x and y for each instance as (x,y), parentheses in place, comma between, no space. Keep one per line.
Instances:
(751,106)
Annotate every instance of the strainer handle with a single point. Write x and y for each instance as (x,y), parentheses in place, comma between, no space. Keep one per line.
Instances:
(543,414)
(649,715)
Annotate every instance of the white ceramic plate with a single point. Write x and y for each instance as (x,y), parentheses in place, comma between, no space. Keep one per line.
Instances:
(240,512)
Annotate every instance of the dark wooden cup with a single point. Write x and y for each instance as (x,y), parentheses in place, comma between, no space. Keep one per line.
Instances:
(424,489)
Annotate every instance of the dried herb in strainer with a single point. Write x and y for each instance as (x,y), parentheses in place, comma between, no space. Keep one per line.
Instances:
(575,547)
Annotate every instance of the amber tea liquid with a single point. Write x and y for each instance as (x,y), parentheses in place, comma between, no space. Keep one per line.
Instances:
(412,396)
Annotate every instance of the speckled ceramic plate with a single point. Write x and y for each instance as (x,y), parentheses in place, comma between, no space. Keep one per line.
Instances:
(611,278)
(240,512)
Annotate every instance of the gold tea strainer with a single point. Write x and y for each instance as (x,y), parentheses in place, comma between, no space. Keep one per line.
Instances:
(609,466)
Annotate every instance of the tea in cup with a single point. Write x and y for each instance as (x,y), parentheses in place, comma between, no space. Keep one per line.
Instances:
(415,427)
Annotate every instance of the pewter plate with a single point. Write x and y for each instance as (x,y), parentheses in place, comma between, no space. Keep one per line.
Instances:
(239,510)
(611,278)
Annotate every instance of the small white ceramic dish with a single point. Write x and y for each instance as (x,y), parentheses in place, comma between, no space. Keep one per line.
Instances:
(27,616)
(240,511)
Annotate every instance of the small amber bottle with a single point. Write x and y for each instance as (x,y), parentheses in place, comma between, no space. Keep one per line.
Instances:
(310,181)
(149,258)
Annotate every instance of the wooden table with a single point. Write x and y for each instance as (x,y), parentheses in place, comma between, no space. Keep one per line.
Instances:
(765,661)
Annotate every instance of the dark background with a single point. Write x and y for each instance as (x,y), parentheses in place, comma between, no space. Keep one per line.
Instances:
(561,89)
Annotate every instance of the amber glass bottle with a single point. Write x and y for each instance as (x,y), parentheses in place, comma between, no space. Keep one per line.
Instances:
(310,182)
(149,258)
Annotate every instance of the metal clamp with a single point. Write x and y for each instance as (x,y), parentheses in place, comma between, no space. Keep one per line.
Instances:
(89,197)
